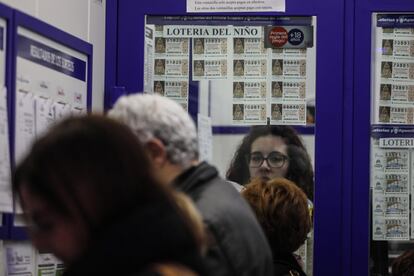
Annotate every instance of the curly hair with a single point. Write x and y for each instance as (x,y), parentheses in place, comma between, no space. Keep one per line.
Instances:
(282,210)
(154,116)
(300,169)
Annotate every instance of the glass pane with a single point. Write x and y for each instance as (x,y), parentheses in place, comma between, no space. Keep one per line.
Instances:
(392,139)
(232,73)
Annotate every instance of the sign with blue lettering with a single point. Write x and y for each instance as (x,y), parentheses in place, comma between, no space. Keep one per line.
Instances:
(47,56)
(51,84)
(395,131)
(395,20)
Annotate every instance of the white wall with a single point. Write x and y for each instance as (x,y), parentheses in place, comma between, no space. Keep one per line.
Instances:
(84,19)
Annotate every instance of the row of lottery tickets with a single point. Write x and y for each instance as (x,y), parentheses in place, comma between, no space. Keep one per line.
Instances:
(391,185)
(267,83)
(394,87)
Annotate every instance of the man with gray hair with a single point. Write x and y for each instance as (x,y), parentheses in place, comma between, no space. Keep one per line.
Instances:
(237,245)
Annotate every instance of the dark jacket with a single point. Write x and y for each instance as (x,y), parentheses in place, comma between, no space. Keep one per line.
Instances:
(131,245)
(239,246)
(287,265)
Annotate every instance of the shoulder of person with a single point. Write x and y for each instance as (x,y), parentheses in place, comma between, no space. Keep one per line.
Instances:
(235,185)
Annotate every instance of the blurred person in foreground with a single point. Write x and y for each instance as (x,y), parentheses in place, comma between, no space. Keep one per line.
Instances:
(237,245)
(90,198)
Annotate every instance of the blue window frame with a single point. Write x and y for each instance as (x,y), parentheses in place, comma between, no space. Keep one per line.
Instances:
(125,22)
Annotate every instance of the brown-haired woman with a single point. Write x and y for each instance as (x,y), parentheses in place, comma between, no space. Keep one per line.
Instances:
(282,210)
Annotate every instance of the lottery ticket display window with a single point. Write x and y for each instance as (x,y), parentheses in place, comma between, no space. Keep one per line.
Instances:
(250,70)
(231,73)
(392,139)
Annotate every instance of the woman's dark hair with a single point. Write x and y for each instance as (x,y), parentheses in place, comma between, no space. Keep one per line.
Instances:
(300,169)
(93,163)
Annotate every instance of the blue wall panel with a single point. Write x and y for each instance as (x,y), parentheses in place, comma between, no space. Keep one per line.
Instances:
(361,125)
(7,14)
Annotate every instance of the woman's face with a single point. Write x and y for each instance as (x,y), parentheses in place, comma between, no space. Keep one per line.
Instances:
(238,68)
(239,46)
(199,66)
(51,232)
(387,46)
(265,145)
(160,45)
(158,87)
(276,67)
(198,45)
(386,69)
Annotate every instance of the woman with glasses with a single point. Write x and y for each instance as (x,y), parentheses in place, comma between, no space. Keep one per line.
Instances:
(269,152)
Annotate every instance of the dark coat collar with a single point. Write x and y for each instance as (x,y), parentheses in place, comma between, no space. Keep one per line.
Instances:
(195,176)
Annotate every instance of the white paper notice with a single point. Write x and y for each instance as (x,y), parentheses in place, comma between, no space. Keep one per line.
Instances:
(149,57)
(46,264)
(6,204)
(25,124)
(78,111)
(44,115)
(205,138)
(19,259)
(235,6)
(62,111)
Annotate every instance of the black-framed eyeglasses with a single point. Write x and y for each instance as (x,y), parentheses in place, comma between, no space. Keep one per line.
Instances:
(274,159)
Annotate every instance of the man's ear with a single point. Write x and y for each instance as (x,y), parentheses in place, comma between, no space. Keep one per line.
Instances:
(157,152)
